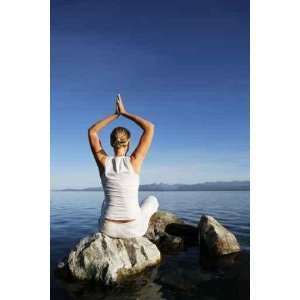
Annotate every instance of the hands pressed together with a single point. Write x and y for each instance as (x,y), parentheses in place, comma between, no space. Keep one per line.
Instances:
(121,111)
(120,108)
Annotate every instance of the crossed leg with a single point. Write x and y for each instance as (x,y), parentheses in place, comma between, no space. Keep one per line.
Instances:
(148,207)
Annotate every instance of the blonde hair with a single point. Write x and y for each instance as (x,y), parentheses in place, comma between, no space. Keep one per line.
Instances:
(120,137)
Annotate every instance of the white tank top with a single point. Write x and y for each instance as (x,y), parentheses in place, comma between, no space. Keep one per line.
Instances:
(120,185)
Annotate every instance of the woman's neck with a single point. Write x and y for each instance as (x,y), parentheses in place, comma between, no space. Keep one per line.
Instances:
(120,153)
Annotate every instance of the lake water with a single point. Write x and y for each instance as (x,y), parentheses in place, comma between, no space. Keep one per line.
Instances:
(180,276)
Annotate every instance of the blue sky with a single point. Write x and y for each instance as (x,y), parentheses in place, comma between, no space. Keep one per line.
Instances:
(184,65)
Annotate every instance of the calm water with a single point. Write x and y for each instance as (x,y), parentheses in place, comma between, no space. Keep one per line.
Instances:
(180,276)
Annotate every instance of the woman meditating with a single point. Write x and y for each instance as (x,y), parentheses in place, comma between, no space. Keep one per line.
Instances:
(121,215)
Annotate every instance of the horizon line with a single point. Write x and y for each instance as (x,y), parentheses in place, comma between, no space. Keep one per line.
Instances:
(159,183)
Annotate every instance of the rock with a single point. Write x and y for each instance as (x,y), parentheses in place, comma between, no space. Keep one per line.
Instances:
(158,223)
(169,243)
(215,239)
(109,260)
(169,232)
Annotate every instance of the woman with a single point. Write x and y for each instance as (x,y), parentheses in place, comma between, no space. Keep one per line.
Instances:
(121,215)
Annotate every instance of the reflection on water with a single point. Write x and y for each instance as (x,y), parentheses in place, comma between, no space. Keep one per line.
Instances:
(186,275)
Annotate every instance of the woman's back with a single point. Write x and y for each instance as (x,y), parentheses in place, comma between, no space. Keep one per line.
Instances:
(121,214)
(120,184)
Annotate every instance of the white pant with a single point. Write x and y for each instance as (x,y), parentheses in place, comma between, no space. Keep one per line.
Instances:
(135,228)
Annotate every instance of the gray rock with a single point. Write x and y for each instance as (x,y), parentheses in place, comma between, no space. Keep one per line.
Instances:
(169,243)
(158,223)
(215,239)
(157,234)
(169,232)
(110,260)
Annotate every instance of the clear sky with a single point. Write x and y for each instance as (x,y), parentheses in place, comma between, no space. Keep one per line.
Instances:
(184,65)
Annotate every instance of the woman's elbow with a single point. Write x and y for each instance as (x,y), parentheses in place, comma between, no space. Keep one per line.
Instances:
(151,126)
(91,131)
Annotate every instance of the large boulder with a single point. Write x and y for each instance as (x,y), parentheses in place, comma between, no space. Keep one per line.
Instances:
(169,232)
(109,260)
(215,239)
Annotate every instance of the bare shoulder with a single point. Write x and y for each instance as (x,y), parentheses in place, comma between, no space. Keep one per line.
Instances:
(136,163)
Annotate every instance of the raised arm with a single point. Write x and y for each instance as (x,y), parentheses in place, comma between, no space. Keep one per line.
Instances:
(139,154)
(95,142)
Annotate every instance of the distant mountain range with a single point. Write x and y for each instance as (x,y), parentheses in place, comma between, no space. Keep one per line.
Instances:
(206,186)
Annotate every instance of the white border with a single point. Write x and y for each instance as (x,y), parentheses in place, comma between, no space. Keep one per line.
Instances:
(25,149)
(274,149)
